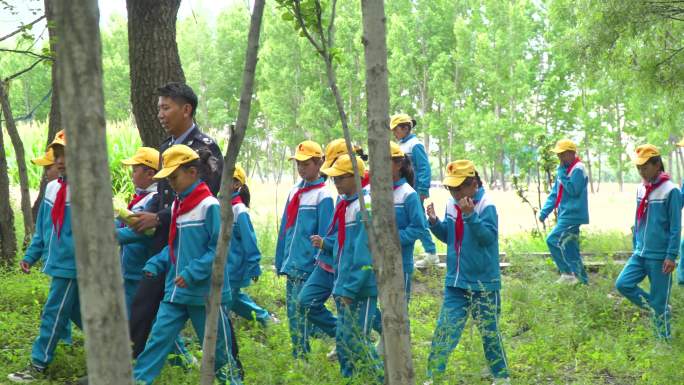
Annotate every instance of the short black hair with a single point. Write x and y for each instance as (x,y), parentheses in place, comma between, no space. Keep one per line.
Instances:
(181,93)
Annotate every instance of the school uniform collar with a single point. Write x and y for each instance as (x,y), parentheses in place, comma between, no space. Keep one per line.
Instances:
(407,138)
(304,183)
(150,189)
(183,136)
(350,198)
(189,189)
(400,182)
(235,195)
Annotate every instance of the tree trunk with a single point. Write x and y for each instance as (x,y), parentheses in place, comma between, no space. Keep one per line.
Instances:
(55,117)
(20,156)
(8,239)
(588,163)
(384,244)
(235,141)
(103,310)
(618,140)
(154,61)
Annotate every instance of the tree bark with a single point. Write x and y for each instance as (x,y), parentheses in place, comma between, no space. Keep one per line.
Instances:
(236,138)
(99,271)
(54,122)
(21,163)
(384,244)
(154,61)
(8,239)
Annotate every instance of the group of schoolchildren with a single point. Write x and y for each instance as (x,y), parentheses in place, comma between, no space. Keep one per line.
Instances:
(322,251)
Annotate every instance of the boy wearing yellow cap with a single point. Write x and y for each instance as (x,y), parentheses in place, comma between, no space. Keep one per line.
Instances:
(355,289)
(402,126)
(47,161)
(53,238)
(244,255)
(471,231)
(569,197)
(308,212)
(656,235)
(135,247)
(187,261)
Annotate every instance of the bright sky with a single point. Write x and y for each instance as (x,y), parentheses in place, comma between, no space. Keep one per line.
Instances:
(28,10)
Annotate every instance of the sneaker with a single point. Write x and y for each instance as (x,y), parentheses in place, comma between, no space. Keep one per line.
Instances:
(567,279)
(274,319)
(332,355)
(428,382)
(502,381)
(30,374)
(429,260)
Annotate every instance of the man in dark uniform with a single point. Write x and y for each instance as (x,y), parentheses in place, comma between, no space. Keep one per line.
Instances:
(177,104)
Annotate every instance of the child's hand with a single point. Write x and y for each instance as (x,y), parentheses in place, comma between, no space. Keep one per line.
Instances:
(25,267)
(430,211)
(467,205)
(180,282)
(148,274)
(316,241)
(668,266)
(143,221)
(346,300)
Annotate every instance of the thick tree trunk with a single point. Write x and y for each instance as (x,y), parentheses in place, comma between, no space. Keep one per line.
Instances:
(384,244)
(99,272)
(236,138)
(55,117)
(8,239)
(154,60)
(20,157)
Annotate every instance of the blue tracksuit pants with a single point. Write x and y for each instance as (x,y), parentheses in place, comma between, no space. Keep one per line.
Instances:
(356,352)
(171,319)
(563,242)
(244,306)
(61,307)
(485,307)
(656,300)
(130,288)
(312,297)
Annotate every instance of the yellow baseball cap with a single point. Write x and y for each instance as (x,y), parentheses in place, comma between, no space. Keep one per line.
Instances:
(48,159)
(306,150)
(343,165)
(334,150)
(147,156)
(240,174)
(458,171)
(398,119)
(173,157)
(60,138)
(644,153)
(564,145)
(395,151)
(680,143)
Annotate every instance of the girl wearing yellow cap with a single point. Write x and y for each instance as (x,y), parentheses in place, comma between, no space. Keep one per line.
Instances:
(308,212)
(355,288)
(656,235)
(471,231)
(569,197)
(244,255)
(187,261)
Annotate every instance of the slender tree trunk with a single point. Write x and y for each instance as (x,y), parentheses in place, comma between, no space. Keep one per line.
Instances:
(384,244)
(54,120)
(154,61)
(234,144)
(618,140)
(20,156)
(8,239)
(103,309)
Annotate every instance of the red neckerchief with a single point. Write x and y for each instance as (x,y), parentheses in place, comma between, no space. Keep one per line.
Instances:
(643,205)
(293,206)
(365,181)
(59,206)
(459,228)
(236,200)
(181,207)
(560,188)
(341,220)
(137,198)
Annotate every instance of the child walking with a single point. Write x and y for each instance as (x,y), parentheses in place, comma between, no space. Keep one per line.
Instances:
(355,288)
(656,235)
(569,196)
(53,238)
(47,161)
(308,212)
(473,281)
(187,261)
(135,247)
(244,255)
(402,126)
